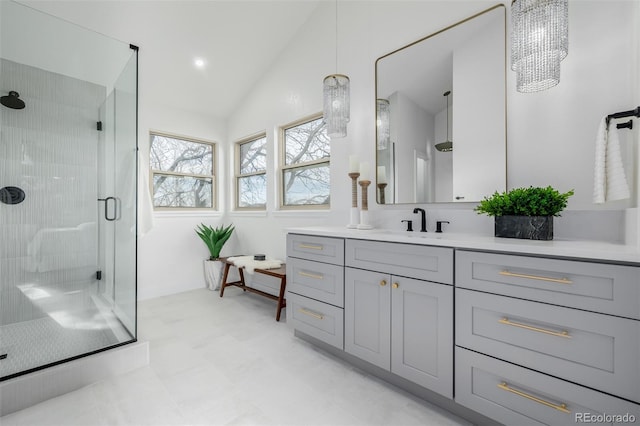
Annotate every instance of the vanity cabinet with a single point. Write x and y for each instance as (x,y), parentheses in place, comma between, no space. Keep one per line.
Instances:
(540,340)
(398,323)
(315,287)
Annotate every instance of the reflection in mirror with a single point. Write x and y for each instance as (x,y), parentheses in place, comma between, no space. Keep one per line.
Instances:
(441,114)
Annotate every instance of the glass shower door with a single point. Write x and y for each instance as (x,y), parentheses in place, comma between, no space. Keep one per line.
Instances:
(126,168)
(117,198)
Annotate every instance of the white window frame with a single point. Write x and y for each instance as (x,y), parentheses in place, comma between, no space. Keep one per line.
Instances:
(239,175)
(212,176)
(283,167)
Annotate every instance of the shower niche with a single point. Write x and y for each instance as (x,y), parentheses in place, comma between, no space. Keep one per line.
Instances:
(68,191)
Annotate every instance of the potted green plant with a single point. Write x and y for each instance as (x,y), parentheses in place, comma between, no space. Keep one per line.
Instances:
(214,238)
(525,212)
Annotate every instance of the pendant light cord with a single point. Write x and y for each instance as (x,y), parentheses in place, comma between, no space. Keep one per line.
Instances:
(336,36)
(447,96)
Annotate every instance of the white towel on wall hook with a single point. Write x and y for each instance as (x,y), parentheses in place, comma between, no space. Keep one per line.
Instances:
(610,181)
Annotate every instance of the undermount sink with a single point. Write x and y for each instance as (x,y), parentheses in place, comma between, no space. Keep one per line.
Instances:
(411,234)
(424,235)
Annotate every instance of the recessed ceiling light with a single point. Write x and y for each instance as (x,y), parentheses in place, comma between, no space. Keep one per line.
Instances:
(199,63)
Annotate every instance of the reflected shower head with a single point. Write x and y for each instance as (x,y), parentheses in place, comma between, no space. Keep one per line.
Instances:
(445,146)
(12,100)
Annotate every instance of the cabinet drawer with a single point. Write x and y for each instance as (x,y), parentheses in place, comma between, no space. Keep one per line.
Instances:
(514,395)
(610,289)
(321,249)
(320,320)
(407,260)
(595,350)
(316,280)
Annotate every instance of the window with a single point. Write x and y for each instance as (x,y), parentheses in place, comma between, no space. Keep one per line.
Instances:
(251,173)
(305,169)
(182,172)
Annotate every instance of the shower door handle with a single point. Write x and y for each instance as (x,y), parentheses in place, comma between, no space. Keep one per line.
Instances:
(106,208)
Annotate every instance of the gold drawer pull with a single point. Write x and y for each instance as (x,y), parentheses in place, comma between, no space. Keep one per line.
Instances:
(396,285)
(311,313)
(559,407)
(307,274)
(537,277)
(563,333)
(310,246)
(383,283)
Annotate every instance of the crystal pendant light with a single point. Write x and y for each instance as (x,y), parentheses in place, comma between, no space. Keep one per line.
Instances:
(539,41)
(336,104)
(336,98)
(383,115)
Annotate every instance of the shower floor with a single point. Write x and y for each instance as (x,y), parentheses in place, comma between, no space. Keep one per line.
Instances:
(58,336)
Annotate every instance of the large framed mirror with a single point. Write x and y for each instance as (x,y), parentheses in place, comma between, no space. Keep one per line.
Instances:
(441,114)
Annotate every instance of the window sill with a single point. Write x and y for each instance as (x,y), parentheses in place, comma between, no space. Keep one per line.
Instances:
(178,213)
(248,213)
(302,213)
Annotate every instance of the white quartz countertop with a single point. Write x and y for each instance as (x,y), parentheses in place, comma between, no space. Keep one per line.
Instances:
(591,250)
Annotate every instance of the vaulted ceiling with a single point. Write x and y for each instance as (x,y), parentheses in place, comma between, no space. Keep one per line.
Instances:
(237,40)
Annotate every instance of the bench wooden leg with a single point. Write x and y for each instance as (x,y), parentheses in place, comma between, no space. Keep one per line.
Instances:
(241,273)
(281,301)
(225,274)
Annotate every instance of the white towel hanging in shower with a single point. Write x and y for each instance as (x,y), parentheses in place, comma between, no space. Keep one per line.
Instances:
(610,181)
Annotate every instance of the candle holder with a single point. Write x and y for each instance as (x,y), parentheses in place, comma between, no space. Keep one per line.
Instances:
(364,213)
(354,219)
(381,187)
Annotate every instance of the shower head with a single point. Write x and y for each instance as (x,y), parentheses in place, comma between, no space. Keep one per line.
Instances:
(12,100)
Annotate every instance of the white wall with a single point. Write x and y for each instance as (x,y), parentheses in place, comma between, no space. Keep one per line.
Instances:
(170,255)
(478,67)
(551,134)
(410,125)
(442,160)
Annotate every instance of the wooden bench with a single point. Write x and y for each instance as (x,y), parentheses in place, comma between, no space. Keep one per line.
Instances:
(280,272)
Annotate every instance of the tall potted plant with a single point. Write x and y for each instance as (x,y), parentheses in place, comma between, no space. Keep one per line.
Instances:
(525,212)
(214,238)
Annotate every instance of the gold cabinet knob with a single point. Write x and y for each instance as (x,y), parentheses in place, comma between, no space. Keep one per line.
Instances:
(396,285)
(383,283)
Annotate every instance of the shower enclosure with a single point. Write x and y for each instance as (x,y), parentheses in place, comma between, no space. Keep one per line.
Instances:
(68,167)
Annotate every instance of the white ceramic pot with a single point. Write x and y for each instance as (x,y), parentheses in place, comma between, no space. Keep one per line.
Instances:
(213,274)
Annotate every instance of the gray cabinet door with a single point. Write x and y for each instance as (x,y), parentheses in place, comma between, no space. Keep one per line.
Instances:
(367,316)
(408,260)
(422,333)
(320,320)
(609,289)
(319,249)
(320,281)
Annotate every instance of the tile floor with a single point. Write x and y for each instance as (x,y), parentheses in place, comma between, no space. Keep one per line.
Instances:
(227,362)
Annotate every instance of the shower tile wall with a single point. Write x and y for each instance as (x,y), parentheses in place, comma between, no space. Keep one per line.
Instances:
(48,243)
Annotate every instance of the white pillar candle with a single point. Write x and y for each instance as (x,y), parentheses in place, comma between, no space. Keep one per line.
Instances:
(364,170)
(382,174)
(354,167)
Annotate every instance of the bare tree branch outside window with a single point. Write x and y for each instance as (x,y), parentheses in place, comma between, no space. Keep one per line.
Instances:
(183,173)
(306,177)
(251,179)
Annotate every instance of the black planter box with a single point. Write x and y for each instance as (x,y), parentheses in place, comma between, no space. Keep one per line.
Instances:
(525,227)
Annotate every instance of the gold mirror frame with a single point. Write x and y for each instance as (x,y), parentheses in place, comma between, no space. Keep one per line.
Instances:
(494,126)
